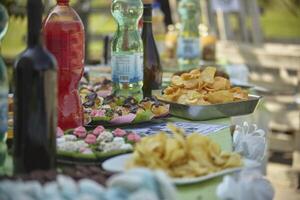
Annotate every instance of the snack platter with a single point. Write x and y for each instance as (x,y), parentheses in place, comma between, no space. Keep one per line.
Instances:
(118,164)
(185,158)
(112,111)
(94,146)
(214,111)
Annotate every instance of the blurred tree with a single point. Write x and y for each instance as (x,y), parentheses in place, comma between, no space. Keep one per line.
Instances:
(15,7)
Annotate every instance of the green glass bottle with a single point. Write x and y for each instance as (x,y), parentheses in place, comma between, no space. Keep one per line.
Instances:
(127,49)
(3,88)
(188,43)
(152,66)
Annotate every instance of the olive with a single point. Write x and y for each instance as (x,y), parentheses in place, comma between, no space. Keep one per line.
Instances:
(130,101)
(91,96)
(88,104)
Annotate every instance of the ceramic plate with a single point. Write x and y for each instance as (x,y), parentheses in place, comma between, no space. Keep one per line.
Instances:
(117,164)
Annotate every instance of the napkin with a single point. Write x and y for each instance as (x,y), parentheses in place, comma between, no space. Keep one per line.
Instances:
(143,184)
(247,185)
(135,184)
(250,142)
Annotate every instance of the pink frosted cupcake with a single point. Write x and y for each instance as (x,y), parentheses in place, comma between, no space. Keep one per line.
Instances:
(119,132)
(91,139)
(59,132)
(98,113)
(80,132)
(133,137)
(97,131)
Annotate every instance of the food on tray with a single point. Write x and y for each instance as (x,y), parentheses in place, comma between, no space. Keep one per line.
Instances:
(100,139)
(202,88)
(121,110)
(182,156)
(102,88)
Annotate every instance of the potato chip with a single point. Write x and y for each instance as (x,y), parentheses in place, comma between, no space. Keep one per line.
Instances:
(221,83)
(177,81)
(208,74)
(183,99)
(182,156)
(169,90)
(192,94)
(186,76)
(191,84)
(195,72)
(202,88)
(222,96)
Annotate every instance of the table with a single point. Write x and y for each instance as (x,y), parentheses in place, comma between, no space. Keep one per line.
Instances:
(207,189)
(204,190)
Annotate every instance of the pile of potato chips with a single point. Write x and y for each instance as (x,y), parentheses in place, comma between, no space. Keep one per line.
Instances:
(202,88)
(182,156)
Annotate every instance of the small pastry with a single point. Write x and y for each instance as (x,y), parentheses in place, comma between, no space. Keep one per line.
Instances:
(98,130)
(59,132)
(133,137)
(80,132)
(91,139)
(105,136)
(98,113)
(70,137)
(160,110)
(119,132)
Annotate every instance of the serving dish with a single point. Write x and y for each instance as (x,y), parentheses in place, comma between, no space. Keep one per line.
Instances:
(118,164)
(213,111)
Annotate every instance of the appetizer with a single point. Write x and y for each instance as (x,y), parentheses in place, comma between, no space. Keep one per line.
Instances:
(182,156)
(121,110)
(98,140)
(202,88)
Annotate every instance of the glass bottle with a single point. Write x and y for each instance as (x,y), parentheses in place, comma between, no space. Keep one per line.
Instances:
(35,98)
(3,88)
(188,43)
(63,34)
(152,67)
(208,44)
(3,77)
(127,49)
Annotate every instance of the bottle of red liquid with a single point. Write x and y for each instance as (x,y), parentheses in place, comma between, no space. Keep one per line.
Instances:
(63,34)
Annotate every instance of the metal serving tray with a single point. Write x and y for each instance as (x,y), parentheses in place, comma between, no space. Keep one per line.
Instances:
(208,112)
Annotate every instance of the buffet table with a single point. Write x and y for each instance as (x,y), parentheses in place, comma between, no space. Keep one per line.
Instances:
(202,190)
(205,189)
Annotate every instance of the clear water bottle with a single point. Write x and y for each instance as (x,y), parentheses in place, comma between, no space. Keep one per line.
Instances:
(127,49)
(188,43)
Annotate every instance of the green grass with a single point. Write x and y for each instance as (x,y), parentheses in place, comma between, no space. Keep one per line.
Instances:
(103,24)
(278,23)
(14,41)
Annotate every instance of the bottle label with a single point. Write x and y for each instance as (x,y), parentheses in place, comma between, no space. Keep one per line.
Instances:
(188,48)
(127,68)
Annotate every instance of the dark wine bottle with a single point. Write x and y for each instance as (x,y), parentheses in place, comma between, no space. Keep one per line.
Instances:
(152,67)
(35,97)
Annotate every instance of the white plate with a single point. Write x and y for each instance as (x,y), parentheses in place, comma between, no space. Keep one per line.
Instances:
(117,164)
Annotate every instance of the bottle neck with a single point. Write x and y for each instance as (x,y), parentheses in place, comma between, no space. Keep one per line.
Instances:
(34,13)
(147,16)
(63,2)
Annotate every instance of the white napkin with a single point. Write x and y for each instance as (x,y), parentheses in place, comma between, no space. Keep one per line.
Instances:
(250,142)
(247,185)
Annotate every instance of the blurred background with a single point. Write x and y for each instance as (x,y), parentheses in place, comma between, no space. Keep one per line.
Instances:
(256,39)
(279,21)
